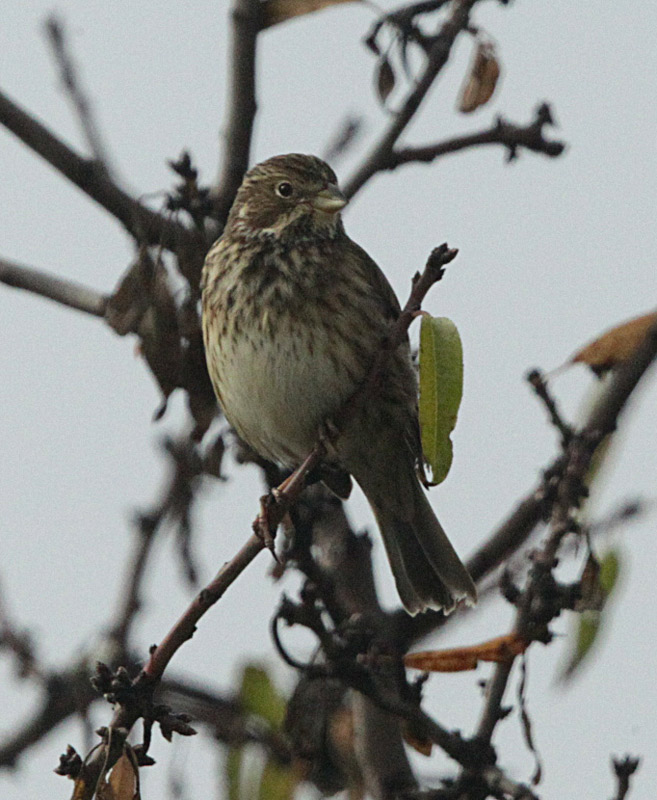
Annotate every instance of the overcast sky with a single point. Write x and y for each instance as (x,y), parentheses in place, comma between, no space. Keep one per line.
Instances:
(552,252)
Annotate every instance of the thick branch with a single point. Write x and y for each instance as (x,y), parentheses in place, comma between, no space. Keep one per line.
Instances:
(68,293)
(241,102)
(141,222)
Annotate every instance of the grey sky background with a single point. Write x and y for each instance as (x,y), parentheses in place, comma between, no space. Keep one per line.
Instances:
(552,252)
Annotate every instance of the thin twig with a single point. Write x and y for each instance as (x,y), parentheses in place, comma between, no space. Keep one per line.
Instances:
(623,770)
(142,223)
(279,502)
(68,73)
(500,133)
(577,457)
(537,381)
(66,292)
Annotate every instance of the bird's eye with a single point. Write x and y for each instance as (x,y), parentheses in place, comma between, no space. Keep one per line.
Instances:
(284,189)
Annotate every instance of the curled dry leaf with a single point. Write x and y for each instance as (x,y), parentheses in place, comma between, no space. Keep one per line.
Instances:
(421,745)
(616,345)
(459,659)
(385,79)
(481,80)
(275,11)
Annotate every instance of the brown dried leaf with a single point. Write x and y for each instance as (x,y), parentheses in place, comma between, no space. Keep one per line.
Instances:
(275,11)
(616,345)
(124,779)
(385,79)
(421,745)
(459,659)
(481,80)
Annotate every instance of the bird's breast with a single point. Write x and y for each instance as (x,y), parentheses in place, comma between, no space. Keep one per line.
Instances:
(281,366)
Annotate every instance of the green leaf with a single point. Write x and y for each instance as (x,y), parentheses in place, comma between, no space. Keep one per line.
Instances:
(609,571)
(592,620)
(260,698)
(278,782)
(258,695)
(441,389)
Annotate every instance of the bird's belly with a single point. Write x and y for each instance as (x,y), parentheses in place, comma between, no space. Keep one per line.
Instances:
(277,392)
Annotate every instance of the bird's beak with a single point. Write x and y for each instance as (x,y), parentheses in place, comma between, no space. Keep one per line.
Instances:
(330,200)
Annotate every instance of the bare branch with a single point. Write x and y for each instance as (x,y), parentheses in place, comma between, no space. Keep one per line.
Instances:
(66,292)
(500,133)
(66,693)
(438,55)
(141,222)
(246,16)
(55,32)
(623,770)
(570,488)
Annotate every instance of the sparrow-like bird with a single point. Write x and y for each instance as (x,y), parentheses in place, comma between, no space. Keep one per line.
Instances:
(294,312)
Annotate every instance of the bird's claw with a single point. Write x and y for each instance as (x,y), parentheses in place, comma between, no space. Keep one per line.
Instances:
(264,525)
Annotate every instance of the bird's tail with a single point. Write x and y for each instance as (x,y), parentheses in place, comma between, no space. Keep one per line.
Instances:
(427,570)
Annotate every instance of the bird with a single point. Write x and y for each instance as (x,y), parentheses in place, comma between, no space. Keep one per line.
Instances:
(293,314)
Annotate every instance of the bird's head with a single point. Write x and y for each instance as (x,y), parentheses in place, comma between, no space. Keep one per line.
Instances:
(289,195)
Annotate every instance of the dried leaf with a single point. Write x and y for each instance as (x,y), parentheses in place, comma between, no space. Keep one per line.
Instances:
(441,389)
(481,80)
(124,779)
(275,11)
(616,345)
(527,723)
(385,79)
(459,659)
(423,746)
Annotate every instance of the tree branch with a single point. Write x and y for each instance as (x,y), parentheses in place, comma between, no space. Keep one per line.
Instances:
(242,106)
(501,132)
(577,458)
(142,223)
(438,55)
(66,292)
(68,74)
(623,770)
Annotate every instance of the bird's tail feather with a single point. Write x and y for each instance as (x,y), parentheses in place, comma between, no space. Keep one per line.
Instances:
(427,570)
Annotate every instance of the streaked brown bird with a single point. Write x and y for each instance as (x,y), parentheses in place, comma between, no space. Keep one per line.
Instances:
(294,313)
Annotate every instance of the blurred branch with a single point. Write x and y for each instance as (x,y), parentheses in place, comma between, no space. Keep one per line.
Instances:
(20,644)
(246,17)
(570,490)
(141,222)
(67,692)
(224,715)
(343,139)
(68,73)
(501,132)
(66,292)
(623,770)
